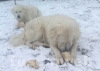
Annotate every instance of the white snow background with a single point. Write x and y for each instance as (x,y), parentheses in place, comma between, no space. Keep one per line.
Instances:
(86,12)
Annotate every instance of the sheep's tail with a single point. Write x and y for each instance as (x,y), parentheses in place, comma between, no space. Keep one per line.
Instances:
(17,40)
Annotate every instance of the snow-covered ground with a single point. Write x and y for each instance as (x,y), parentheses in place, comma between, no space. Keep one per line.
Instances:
(86,12)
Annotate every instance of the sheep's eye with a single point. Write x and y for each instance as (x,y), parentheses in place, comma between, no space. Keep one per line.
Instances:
(20,11)
(16,12)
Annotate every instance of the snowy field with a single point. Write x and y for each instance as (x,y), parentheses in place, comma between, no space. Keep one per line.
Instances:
(86,12)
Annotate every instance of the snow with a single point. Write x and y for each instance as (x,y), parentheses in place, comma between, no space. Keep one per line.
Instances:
(86,12)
